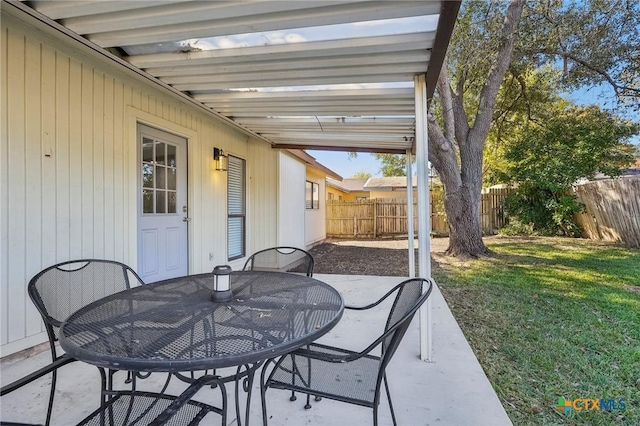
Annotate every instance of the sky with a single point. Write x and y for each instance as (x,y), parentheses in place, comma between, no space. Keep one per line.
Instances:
(346,167)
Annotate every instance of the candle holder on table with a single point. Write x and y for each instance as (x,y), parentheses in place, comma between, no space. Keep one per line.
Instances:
(221,286)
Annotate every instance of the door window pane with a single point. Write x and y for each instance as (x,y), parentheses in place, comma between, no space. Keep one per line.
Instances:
(147,201)
(171,155)
(160,155)
(171,178)
(161,177)
(161,202)
(147,176)
(171,208)
(147,150)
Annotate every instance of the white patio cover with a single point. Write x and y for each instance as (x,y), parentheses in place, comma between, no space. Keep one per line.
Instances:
(336,75)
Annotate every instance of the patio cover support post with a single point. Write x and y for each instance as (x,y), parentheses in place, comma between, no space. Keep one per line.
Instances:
(410,230)
(424,208)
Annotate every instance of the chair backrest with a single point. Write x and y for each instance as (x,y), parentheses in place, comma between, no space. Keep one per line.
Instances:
(61,289)
(411,294)
(283,259)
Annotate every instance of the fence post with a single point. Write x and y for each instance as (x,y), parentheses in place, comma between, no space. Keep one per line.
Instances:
(355,225)
(375,216)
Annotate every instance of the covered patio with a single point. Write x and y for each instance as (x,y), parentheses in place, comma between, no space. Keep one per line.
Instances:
(335,75)
(452,390)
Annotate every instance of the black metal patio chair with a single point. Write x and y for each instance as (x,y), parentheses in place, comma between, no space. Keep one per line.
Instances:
(345,375)
(125,408)
(281,259)
(62,289)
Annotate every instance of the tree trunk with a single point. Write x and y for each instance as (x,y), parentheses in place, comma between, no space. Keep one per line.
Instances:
(456,152)
(463,215)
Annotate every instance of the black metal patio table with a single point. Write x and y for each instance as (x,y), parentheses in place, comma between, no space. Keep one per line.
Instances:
(173,326)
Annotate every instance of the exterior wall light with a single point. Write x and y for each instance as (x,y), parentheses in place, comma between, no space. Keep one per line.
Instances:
(221,159)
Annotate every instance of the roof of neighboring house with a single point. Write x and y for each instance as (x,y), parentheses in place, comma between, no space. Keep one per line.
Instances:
(302,155)
(389,183)
(348,184)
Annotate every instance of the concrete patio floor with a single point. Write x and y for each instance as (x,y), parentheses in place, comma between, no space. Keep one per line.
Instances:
(451,390)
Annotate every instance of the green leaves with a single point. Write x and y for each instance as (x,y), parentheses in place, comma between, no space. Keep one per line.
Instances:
(392,164)
(547,157)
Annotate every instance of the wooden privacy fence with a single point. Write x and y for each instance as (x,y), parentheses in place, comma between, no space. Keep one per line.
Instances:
(388,216)
(612,210)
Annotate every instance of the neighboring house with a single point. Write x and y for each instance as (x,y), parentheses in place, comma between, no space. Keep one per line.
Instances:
(634,169)
(349,189)
(390,187)
(100,163)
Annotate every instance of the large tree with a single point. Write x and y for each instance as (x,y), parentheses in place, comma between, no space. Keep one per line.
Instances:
(593,42)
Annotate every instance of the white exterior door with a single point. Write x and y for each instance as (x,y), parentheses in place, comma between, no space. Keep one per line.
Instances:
(163,214)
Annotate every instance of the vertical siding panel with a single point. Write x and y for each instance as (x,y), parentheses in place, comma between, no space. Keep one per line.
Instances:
(75,158)
(4,196)
(48,120)
(127,227)
(119,170)
(87,176)
(98,164)
(34,177)
(62,157)
(184,119)
(16,170)
(136,98)
(145,104)
(167,109)
(107,155)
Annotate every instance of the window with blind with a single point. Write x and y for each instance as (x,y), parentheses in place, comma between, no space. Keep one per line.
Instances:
(312,200)
(236,203)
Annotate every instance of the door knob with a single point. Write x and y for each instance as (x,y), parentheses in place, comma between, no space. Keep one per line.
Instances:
(186,219)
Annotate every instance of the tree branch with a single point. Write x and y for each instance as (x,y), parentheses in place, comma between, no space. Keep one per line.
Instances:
(568,55)
(489,92)
(444,89)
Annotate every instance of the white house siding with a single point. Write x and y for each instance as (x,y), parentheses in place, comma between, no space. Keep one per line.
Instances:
(262,198)
(316,228)
(68,169)
(291,220)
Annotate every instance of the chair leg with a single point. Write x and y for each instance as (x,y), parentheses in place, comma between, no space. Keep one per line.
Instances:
(293,396)
(386,387)
(307,405)
(263,392)
(51,395)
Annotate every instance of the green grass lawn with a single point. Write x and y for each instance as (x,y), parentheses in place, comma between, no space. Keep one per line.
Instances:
(549,318)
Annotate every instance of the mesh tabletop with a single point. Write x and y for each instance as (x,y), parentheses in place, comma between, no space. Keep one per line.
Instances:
(174,326)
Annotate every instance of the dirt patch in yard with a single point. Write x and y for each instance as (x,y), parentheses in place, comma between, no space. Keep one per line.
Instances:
(368,257)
